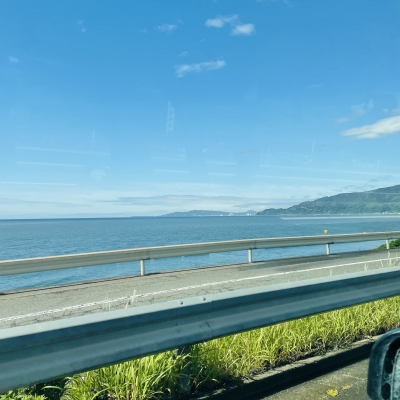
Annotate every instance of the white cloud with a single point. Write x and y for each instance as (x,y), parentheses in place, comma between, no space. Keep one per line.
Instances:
(244,29)
(183,69)
(166,27)
(237,27)
(184,54)
(383,127)
(13,60)
(219,22)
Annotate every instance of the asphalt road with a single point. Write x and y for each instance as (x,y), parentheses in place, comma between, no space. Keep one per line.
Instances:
(345,383)
(65,301)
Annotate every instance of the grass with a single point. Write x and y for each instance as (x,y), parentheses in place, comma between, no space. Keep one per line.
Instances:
(21,394)
(218,361)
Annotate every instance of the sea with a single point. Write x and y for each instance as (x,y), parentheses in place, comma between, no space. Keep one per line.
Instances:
(37,238)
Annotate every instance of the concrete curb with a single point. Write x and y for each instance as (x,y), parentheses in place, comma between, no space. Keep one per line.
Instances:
(289,375)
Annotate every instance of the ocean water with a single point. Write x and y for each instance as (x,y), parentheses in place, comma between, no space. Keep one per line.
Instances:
(35,238)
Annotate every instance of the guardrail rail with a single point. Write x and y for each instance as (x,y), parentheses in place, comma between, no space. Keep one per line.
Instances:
(21,266)
(45,351)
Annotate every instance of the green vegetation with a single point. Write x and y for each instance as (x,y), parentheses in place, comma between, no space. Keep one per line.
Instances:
(43,391)
(21,394)
(219,361)
(394,244)
(379,201)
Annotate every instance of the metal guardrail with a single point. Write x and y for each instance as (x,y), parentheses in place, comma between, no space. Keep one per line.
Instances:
(45,351)
(12,267)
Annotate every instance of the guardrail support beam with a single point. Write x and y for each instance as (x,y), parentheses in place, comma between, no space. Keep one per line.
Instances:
(328,249)
(142,268)
(387,244)
(250,255)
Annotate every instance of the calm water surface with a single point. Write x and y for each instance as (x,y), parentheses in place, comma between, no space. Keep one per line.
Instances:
(35,238)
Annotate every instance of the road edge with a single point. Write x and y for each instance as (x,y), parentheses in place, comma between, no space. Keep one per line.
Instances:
(289,375)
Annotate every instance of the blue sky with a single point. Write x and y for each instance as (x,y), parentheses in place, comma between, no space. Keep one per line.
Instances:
(148,107)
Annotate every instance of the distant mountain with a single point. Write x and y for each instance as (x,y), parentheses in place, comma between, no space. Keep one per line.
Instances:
(379,201)
(206,213)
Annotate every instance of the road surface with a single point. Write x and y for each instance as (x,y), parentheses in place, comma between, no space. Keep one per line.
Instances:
(345,383)
(45,304)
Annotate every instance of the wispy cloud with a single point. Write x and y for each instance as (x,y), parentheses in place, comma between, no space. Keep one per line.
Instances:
(303,178)
(358,110)
(37,183)
(167,27)
(13,60)
(13,201)
(61,150)
(81,27)
(244,29)
(383,127)
(315,86)
(183,69)
(238,28)
(183,54)
(97,174)
(328,170)
(172,203)
(221,21)
(152,198)
(171,171)
(156,205)
(355,114)
(259,206)
(169,128)
(219,174)
(286,2)
(45,164)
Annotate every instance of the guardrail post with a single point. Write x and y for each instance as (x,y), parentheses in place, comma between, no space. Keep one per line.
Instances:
(187,369)
(142,268)
(328,249)
(387,244)
(250,255)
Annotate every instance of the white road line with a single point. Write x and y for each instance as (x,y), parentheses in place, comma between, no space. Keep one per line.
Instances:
(131,298)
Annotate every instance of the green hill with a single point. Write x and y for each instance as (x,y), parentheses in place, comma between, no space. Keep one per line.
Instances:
(378,201)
